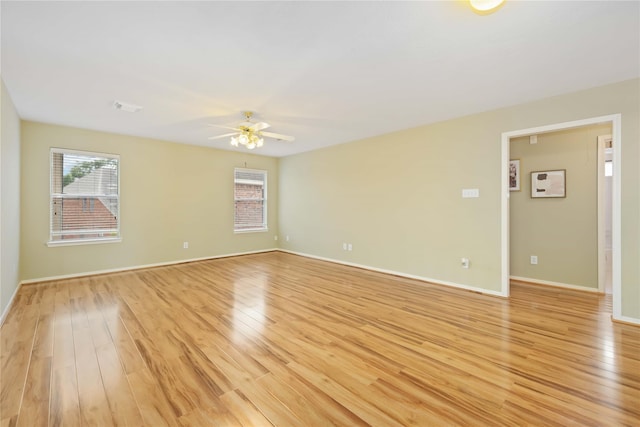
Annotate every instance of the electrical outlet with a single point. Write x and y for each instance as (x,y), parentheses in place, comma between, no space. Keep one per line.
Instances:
(286,238)
(534,259)
(185,245)
(344,246)
(464,262)
(349,247)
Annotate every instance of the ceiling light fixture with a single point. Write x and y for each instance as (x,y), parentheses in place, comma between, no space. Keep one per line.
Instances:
(249,134)
(249,138)
(485,6)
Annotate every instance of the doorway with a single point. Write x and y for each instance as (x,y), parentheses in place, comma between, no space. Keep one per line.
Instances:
(615,122)
(605,202)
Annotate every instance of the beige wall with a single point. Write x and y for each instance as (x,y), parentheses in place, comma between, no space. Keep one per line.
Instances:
(170,193)
(10,201)
(397,197)
(563,232)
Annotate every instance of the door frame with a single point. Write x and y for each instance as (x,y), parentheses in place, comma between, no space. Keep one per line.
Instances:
(616,248)
(602,226)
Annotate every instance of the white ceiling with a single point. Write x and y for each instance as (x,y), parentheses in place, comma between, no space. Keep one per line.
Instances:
(325,72)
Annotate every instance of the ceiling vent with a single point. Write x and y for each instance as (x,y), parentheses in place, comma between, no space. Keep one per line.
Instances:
(131,108)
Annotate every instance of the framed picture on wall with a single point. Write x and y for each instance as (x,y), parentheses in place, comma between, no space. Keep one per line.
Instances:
(545,184)
(514,175)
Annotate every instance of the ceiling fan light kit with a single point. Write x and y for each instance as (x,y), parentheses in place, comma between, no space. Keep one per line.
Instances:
(249,140)
(485,6)
(249,134)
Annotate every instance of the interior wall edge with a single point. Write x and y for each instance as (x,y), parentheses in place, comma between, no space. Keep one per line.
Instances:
(555,284)
(626,320)
(4,314)
(140,267)
(399,274)
(10,198)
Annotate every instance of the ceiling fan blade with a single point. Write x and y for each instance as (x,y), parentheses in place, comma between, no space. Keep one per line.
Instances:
(278,136)
(259,126)
(225,127)
(222,136)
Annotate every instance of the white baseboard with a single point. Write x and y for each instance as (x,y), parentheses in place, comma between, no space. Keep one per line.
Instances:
(398,273)
(627,320)
(8,307)
(139,267)
(556,284)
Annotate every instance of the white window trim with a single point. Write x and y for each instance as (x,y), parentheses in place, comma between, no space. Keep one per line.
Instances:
(251,230)
(93,240)
(265,227)
(53,243)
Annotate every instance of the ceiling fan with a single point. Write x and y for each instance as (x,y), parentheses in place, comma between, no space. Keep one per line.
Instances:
(249,134)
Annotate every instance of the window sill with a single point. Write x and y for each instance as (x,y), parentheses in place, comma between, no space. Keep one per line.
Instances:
(55,243)
(251,230)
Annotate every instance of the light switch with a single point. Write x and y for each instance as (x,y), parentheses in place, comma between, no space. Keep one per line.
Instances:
(468,193)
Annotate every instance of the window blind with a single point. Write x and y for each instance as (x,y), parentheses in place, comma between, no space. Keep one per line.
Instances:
(84,196)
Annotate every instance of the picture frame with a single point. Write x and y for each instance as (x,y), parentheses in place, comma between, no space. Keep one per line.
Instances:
(548,184)
(514,175)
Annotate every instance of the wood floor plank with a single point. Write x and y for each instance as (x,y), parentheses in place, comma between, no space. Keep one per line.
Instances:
(357,403)
(125,346)
(237,370)
(65,402)
(244,410)
(43,343)
(416,408)
(63,347)
(307,411)
(94,406)
(122,404)
(36,394)
(206,418)
(277,339)
(15,365)
(166,375)
(207,372)
(273,409)
(154,407)
(332,413)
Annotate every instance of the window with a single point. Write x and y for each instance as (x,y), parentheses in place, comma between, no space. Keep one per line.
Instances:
(250,193)
(84,197)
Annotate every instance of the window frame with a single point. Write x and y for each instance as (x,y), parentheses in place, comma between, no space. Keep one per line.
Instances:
(90,240)
(265,225)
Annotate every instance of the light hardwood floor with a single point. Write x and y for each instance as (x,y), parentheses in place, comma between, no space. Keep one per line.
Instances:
(277,339)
